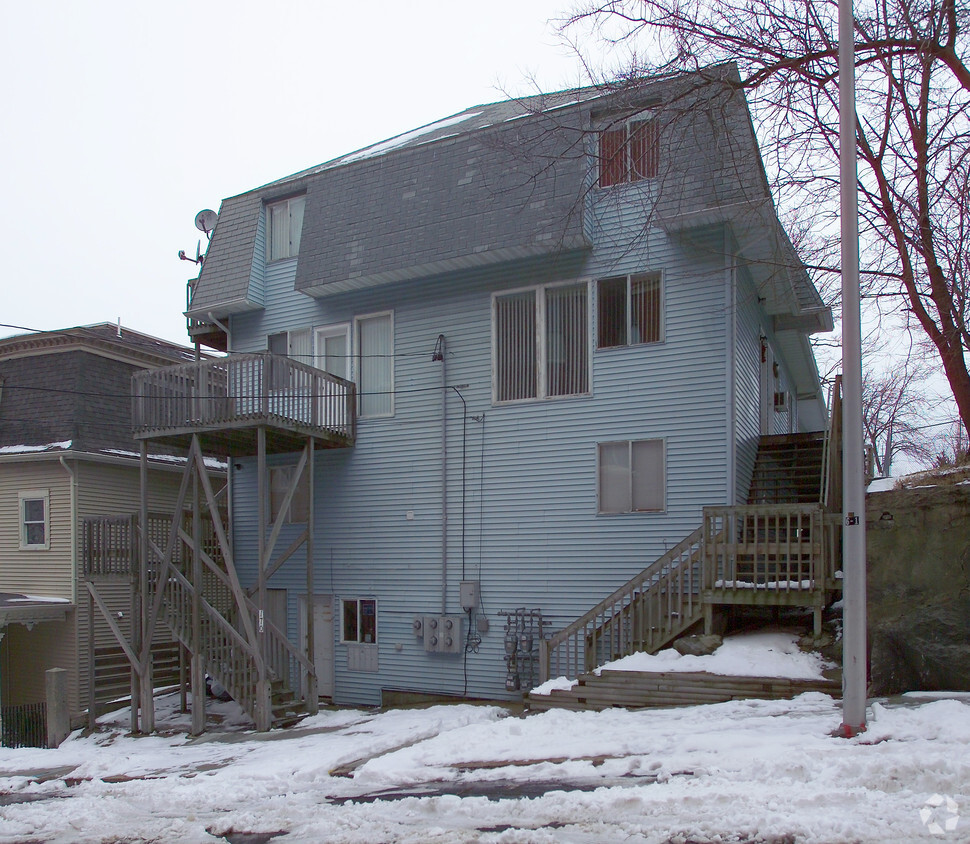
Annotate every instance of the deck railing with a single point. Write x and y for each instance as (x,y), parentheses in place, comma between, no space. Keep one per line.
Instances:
(644,614)
(780,548)
(230,391)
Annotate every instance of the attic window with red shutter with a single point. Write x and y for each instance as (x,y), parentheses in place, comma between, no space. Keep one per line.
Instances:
(629,152)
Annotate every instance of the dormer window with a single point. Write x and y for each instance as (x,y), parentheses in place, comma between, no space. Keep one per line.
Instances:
(629,152)
(284,225)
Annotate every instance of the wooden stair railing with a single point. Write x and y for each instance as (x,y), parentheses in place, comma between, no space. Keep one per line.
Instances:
(644,614)
(228,654)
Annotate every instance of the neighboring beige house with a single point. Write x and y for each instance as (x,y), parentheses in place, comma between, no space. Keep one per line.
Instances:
(66,455)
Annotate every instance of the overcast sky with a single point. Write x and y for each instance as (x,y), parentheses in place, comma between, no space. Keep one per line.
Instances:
(122,120)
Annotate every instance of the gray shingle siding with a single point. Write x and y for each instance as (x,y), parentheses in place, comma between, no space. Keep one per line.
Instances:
(443,206)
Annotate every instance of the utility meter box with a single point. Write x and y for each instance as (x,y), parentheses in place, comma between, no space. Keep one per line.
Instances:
(442,634)
(468,594)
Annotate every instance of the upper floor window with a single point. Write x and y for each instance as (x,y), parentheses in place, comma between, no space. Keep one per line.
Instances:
(375,364)
(541,343)
(284,225)
(35,520)
(629,310)
(629,152)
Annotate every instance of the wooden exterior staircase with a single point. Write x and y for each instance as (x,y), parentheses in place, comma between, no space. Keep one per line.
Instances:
(230,646)
(788,469)
(780,549)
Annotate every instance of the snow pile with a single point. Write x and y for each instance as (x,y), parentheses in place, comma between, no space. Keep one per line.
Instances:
(763,654)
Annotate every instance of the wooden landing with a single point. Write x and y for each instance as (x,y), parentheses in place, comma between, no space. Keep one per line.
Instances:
(643,689)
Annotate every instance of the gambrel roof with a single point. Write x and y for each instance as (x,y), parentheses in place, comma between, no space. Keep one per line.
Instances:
(507,180)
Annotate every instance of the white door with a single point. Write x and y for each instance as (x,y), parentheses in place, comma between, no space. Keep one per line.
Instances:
(322,640)
(333,356)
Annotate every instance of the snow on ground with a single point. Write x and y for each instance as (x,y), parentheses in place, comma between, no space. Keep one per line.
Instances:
(746,771)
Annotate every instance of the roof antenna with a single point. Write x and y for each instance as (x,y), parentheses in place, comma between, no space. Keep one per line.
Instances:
(119,326)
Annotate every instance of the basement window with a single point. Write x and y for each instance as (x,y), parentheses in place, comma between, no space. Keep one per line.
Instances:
(359,620)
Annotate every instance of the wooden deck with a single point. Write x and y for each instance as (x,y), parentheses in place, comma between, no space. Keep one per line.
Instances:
(226,401)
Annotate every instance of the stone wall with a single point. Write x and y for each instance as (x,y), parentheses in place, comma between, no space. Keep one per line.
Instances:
(918,549)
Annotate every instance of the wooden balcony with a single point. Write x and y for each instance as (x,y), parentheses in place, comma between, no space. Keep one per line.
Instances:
(226,401)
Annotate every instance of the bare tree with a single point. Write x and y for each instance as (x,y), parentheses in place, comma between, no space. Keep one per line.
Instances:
(894,406)
(913,133)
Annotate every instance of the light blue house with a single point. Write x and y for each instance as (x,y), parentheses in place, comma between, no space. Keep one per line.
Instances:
(569,320)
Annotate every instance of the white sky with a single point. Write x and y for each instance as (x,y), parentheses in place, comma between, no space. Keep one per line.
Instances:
(122,120)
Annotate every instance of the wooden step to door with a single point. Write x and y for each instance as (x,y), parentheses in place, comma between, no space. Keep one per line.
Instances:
(645,689)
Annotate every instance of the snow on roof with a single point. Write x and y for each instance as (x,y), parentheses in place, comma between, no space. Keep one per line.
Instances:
(28,449)
(210,462)
(402,140)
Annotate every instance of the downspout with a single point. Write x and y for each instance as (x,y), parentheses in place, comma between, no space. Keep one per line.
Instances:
(74,572)
(731,342)
(439,355)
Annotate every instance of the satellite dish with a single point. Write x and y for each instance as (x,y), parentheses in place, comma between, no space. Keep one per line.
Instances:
(205,220)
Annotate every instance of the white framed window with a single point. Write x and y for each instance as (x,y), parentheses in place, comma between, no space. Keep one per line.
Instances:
(374,353)
(280,479)
(540,342)
(35,520)
(629,310)
(629,152)
(284,227)
(632,476)
(332,344)
(358,620)
(297,345)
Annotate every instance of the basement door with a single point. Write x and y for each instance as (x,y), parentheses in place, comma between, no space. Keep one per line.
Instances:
(322,640)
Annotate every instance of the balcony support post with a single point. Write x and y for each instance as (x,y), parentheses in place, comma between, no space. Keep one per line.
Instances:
(198,664)
(312,686)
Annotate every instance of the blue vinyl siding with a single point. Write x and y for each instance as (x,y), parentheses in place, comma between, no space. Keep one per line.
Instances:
(532,534)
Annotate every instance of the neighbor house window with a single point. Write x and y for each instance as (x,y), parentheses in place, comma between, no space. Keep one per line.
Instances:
(35,520)
(359,622)
(375,364)
(631,476)
(628,152)
(280,480)
(541,343)
(629,310)
(284,225)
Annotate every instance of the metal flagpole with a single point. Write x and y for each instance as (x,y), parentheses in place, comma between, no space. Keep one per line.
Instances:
(854,649)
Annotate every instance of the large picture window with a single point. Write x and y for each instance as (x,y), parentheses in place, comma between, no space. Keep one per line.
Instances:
(375,365)
(284,227)
(35,520)
(541,343)
(629,152)
(629,310)
(632,476)
(359,620)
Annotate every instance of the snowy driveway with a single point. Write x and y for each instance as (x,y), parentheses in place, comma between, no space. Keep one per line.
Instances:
(750,771)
